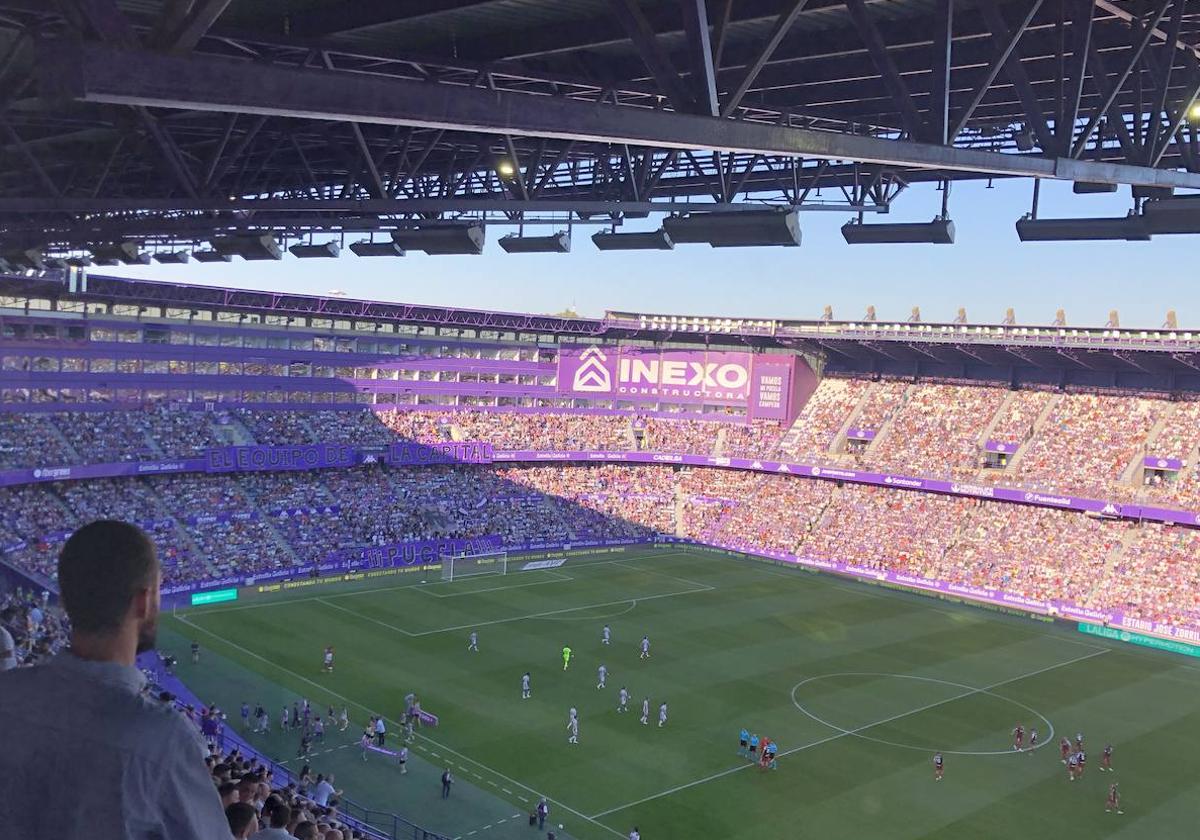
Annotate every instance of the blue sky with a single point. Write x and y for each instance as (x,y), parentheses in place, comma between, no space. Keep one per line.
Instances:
(987,270)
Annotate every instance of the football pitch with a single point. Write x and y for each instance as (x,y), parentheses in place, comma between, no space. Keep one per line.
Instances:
(858,686)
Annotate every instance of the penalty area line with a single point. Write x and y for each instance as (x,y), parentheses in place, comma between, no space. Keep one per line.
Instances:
(331,693)
(843,734)
(560,612)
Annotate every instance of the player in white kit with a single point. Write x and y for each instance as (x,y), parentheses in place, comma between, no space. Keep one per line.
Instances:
(645,648)
(605,635)
(473,644)
(525,686)
(601,675)
(662,714)
(573,728)
(623,700)
(645,711)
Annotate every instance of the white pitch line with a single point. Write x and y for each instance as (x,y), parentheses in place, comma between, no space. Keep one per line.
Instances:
(559,612)
(623,564)
(355,703)
(560,579)
(863,728)
(332,605)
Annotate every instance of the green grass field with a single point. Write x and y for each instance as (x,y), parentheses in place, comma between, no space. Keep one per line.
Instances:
(858,685)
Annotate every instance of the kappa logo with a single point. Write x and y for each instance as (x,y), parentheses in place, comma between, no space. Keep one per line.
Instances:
(783,468)
(593,375)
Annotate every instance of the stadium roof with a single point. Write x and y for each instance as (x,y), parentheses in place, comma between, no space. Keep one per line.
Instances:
(171,121)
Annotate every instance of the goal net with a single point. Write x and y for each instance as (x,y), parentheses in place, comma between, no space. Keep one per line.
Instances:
(455,566)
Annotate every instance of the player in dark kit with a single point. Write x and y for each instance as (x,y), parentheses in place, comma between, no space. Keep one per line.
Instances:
(1033,740)
(939,767)
(1082,757)
(1018,737)
(1106,759)
(1114,800)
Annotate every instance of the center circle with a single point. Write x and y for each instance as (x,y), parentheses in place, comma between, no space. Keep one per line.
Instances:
(969,690)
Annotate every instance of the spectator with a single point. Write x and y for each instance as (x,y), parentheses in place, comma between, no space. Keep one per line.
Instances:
(98,758)
(243,820)
(280,816)
(324,790)
(8,648)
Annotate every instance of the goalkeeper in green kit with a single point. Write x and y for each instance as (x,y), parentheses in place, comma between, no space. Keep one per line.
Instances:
(566,657)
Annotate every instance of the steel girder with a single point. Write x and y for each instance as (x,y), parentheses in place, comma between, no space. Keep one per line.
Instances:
(98,73)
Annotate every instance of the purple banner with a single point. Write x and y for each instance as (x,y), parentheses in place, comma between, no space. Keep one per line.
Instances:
(860,434)
(1001,446)
(294,457)
(718,377)
(408,453)
(1162,463)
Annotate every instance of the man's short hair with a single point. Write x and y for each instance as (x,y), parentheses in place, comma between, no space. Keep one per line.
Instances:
(305,831)
(281,816)
(240,815)
(100,569)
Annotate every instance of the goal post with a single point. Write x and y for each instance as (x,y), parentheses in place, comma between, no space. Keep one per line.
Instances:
(461,565)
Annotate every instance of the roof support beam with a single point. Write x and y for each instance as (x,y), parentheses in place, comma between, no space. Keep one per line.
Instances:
(704,75)
(630,14)
(1082,21)
(897,90)
(939,93)
(1134,56)
(99,73)
(998,62)
(783,23)
(1016,73)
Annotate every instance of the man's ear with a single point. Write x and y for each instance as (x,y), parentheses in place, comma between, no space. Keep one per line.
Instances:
(143,597)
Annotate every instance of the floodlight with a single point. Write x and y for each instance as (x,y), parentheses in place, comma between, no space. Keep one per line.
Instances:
(937,232)
(443,238)
(325,250)
(559,243)
(1130,228)
(1089,188)
(367,248)
(740,229)
(128,253)
(653,240)
(1179,214)
(211,256)
(258,247)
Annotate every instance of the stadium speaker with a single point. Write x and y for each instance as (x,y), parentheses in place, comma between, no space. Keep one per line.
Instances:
(735,230)
(25,259)
(211,256)
(129,253)
(1089,188)
(323,251)
(258,247)
(80,261)
(559,243)
(367,248)
(1179,214)
(1152,192)
(651,240)
(172,257)
(443,238)
(58,263)
(1129,228)
(937,232)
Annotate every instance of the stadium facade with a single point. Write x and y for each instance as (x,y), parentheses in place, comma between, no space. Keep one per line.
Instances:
(415,388)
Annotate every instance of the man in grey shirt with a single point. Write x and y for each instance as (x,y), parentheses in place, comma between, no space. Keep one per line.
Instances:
(90,756)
